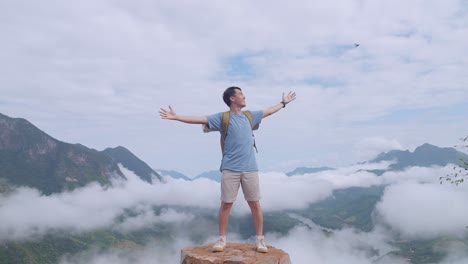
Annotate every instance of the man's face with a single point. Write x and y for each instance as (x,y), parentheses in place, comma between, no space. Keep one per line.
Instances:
(238,98)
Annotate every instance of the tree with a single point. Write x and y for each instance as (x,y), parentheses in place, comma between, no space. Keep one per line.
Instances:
(460,172)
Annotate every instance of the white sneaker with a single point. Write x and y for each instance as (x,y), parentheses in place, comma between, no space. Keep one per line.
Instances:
(261,246)
(220,244)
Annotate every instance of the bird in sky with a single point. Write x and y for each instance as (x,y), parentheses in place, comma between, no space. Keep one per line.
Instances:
(356,45)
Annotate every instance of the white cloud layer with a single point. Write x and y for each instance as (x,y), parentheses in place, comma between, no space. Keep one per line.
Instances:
(302,244)
(425,211)
(415,191)
(26,212)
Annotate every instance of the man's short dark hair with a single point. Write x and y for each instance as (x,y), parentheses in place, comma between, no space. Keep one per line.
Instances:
(231,91)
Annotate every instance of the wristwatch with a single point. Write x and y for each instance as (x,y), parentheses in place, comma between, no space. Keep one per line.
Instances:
(284,104)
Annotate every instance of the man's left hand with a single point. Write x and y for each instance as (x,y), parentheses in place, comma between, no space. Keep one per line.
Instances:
(291,96)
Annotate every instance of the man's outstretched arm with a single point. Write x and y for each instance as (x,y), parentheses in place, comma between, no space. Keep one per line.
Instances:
(291,96)
(171,115)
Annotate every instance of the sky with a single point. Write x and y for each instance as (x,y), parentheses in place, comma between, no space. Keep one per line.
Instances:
(26,215)
(97,73)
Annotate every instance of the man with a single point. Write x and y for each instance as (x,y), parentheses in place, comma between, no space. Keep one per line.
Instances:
(238,166)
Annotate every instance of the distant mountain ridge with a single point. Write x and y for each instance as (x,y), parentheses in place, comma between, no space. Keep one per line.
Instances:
(30,157)
(306,170)
(425,155)
(214,175)
(174,174)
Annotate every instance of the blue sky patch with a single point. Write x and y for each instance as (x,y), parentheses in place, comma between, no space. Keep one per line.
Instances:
(238,67)
(324,82)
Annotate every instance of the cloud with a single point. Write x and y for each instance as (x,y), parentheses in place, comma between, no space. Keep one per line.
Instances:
(281,192)
(416,175)
(151,253)
(314,246)
(107,66)
(304,246)
(145,217)
(27,213)
(424,211)
(369,148)
(93,207)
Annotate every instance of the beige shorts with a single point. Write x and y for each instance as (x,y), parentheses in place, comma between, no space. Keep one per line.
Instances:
(232,180)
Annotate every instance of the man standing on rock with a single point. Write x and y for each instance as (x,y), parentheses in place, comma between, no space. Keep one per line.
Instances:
(238,166)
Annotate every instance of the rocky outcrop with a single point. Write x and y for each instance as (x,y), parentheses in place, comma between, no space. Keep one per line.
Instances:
(234,253)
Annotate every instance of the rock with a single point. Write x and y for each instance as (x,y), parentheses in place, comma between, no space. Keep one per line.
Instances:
(234,253)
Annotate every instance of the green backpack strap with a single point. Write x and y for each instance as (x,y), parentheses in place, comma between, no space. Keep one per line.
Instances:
(248,114)
(225,126)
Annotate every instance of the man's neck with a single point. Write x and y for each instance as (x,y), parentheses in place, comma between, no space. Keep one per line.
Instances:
(235,109)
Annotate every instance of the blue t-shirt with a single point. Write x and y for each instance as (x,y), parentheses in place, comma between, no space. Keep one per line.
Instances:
(239,152)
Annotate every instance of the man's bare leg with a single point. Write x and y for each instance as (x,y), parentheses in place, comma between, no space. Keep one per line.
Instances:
(223,217)
(257,216)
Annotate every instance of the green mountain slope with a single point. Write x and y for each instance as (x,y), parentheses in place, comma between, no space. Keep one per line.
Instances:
(30,157)
(133,163)
(351,207)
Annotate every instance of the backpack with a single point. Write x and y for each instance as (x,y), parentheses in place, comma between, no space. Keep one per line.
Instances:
(225,125)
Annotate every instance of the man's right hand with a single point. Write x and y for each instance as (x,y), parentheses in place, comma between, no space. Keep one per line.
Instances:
(171,115)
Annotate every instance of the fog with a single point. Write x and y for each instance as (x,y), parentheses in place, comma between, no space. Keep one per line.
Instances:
(414,206)
(424,211)
(302,244)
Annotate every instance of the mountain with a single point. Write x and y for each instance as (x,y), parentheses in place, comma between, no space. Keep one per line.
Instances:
(425,155)
(130,161)
(212,175)
(30,157)
(306,170)
(174,174)
(346,207)
(354,206)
